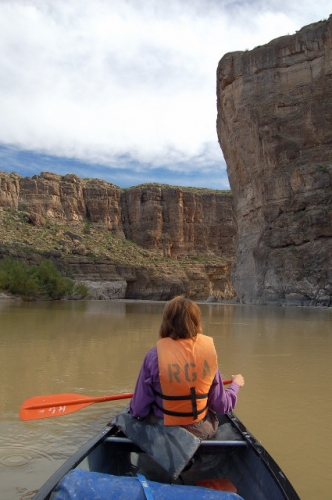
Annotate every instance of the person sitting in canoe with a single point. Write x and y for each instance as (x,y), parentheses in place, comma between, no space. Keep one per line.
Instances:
(179,380)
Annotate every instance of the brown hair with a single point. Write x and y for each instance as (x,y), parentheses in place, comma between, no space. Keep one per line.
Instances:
(181,319)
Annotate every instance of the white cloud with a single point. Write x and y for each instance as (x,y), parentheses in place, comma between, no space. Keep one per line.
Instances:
(95,80)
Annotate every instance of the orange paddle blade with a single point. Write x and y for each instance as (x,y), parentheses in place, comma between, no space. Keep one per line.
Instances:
(55,405)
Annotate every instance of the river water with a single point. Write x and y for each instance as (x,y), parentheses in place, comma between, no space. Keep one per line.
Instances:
(96,348)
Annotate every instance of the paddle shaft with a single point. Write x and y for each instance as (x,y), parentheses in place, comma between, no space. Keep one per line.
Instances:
(87,401)
(54,405)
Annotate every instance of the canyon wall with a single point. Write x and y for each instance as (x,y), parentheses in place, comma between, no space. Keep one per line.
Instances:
(171,223)
(170,220)
(274,126)
(180,222)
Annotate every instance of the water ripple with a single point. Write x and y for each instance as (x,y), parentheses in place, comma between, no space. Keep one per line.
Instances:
(16,456)
(24,494)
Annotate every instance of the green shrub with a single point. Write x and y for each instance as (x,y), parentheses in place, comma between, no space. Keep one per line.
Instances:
(16,277)
(42,281)
(87,228)
(51,281)
(81,291)
(323,168)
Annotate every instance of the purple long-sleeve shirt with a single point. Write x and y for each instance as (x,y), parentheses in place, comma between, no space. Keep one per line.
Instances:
(220,400)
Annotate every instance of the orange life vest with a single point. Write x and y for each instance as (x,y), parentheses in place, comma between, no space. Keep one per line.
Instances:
(186,370)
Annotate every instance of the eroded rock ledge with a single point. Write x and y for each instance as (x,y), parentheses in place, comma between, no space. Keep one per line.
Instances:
(275,129)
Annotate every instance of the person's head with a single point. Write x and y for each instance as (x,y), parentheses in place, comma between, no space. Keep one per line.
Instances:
(181,319)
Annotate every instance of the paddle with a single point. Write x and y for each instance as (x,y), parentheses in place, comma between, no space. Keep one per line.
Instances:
(55,405)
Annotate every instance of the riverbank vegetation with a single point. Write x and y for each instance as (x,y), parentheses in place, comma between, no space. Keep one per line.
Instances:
(41,281)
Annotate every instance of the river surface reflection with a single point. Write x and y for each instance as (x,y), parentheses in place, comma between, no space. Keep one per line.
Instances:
(96,348)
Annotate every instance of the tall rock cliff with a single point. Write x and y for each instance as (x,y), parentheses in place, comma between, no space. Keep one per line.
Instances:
(185,238)
(178,222)
(275,129)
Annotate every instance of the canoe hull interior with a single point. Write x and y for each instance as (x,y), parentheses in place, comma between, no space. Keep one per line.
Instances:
(240,464)
(240,458)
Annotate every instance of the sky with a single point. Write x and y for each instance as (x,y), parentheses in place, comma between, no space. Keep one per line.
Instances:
(125,90)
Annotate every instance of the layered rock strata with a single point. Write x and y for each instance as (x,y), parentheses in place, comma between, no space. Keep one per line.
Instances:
(169,222)
(275,129)
(156,282)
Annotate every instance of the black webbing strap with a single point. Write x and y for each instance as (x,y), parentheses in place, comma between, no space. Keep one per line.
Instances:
(180,414)
(191,397)
(193,402)
(180,398)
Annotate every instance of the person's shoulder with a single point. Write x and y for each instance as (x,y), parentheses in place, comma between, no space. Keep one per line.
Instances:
(206,338)
(151,354)
(151,359)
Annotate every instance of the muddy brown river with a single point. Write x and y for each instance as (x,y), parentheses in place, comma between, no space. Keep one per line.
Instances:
(97,347)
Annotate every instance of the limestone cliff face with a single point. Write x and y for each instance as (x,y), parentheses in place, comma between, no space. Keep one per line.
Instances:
(275,129)
(178,222)
(170,223)
(171,220)
(71,198)
(9,190)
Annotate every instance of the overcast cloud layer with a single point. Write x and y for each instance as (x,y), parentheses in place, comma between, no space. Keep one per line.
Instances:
(124,90)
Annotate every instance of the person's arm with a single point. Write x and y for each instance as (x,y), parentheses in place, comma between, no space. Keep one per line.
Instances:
(140,403)
(223,400)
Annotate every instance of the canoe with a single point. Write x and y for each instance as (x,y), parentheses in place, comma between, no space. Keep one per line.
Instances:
(232,465)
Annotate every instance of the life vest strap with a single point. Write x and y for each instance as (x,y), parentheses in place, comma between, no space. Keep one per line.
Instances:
(192,397)
(194,402)
(180,398)
(180,414)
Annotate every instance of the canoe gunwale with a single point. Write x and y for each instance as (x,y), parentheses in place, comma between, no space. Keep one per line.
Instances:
(274,469)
